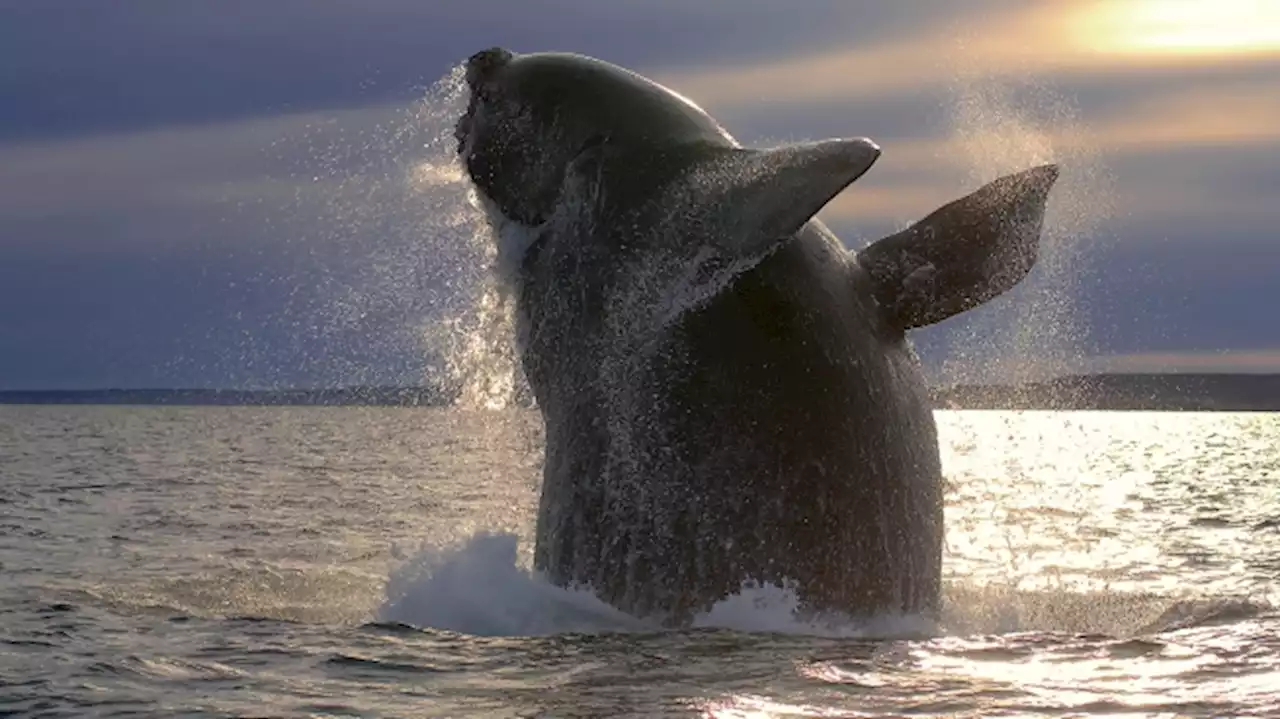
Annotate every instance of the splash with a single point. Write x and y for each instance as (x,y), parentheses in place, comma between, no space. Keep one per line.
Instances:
(474,338)
(404,259)
(477,353)
(999,127)
(481,587)
(775,609)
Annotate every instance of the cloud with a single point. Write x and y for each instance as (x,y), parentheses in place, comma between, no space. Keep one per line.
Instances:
(1181,153)
(153,63)
(298,249)
(156,168)
(1063,40)
(206,193)
(265,161)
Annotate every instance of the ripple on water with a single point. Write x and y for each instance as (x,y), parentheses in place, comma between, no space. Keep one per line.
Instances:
(243,562)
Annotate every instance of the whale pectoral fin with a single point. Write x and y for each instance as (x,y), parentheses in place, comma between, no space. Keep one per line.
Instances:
(757,199)
(964,253)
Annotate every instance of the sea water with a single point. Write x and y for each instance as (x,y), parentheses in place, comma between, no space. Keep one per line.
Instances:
(376,562)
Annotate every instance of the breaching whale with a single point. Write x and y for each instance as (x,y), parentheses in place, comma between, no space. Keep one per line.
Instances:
(728,394)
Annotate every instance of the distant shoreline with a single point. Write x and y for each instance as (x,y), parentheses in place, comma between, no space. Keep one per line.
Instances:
(1162,392)
(1139,392)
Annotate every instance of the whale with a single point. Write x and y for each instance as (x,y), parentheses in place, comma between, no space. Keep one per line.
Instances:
(728,393)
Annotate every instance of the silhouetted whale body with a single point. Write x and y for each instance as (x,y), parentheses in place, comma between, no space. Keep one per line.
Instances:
(728,393)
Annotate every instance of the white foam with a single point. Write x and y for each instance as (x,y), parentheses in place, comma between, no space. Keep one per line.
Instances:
(776,609)
(479,588)
(511,239)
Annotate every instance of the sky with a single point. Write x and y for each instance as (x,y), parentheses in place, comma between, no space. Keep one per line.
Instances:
(234,193)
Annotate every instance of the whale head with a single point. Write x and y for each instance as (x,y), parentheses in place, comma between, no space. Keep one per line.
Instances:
(543,131)
(530,116)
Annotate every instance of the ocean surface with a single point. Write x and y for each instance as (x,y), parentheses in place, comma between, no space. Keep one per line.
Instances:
(374,562)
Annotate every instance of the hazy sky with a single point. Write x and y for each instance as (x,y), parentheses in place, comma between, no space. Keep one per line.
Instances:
(247,193)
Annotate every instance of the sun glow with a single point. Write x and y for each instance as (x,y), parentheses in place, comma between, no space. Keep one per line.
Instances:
(1180,27)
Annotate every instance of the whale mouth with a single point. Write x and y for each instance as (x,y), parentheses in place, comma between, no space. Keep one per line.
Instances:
(462,130)
(480,69)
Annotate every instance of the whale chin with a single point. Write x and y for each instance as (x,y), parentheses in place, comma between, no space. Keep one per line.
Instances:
(512,240)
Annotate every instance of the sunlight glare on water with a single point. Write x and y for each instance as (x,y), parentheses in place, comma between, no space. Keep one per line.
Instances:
(1058,502)
(321,561)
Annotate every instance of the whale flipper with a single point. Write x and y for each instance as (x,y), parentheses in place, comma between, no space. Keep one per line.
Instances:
(752,198)
(727,209)
(964,253)
(757,199)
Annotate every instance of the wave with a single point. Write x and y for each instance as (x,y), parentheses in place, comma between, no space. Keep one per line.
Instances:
(479,587)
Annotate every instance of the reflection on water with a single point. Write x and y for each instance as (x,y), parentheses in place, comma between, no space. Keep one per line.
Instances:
(1083,500)
(237,561)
